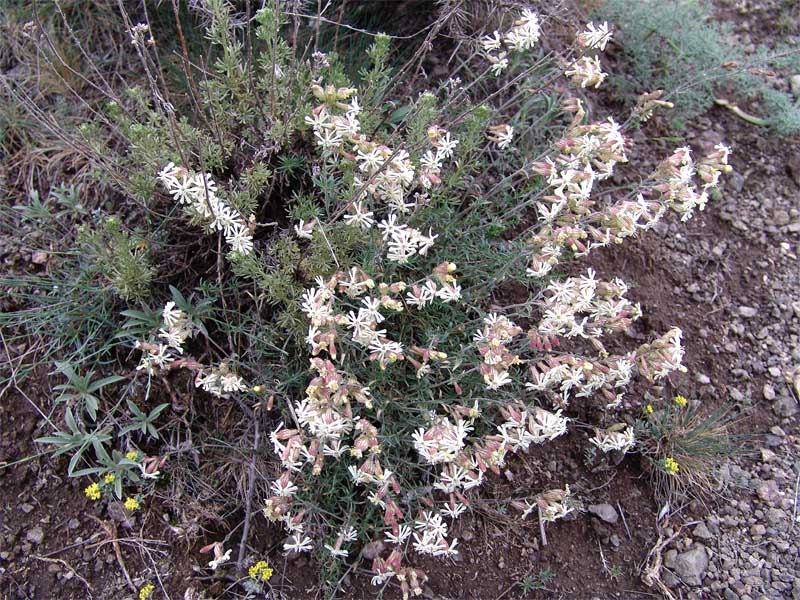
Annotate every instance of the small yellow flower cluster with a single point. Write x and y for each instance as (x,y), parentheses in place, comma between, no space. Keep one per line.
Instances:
(681,401)
(92,492)
(671,466)
(261,571)
(147,592)
(132,455)
(109,478)
(132,504)
(648,409)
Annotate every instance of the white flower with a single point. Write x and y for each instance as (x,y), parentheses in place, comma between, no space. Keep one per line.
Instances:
(525,33)
(586,72)
(499,63)
(328,139)
(172,316)
(495,379)
(594,37)
(404,532)
(361,216)
(607,440)
(232,383)
(219,559)
(340,553)
(240,240)
(491,42)
(446,145)
(503,137)
(295,544)
(304,230)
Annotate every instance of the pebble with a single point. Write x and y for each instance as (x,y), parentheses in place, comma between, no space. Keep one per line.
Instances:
(701,532)
(605,512)
(768,391)
(785,407)
(692,564)
(35,535)
(748,311)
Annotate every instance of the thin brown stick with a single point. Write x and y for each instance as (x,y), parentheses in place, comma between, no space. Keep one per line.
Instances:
(249,499)
(64,563)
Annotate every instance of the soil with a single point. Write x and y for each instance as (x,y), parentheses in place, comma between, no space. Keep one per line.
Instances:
(703,276)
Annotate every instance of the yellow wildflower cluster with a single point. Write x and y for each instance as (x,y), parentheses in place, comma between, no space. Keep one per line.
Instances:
(671,466)
(147,592)
(132,455)
(132,504)
(109,478)
(681,400)
(92,491)
(261,571)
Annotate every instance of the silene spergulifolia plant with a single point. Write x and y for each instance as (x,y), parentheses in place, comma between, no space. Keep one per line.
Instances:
(417,383)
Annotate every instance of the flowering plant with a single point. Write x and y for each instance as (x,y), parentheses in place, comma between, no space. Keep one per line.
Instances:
(363,329)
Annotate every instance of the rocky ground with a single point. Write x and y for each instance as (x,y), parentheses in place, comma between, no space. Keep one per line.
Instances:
(731,280)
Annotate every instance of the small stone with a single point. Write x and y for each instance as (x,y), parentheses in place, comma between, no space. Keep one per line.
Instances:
(701,532)
(615,541)
(769,392)
(35,535)
(26,508)
(605,512)
(768,491)
(372,550)
(669,579)
(758,530)
(785,407)
(691,565)
(748,311)
(702,378)
(775,516)
(729,594)
(777,431)
(774,372)
(781,218)
(39,258)
(767,456)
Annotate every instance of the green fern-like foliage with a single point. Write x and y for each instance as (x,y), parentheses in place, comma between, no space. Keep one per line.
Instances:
(677,46)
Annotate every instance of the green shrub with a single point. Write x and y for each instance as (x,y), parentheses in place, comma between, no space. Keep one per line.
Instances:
(375,294)
(677,46)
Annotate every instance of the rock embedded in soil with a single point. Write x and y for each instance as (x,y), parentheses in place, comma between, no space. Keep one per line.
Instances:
(701,532)
(769,392)
(691,565)
(605,512)
(785,407)
(35,535)
(748,311)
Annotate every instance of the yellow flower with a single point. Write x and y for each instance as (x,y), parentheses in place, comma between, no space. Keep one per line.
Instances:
(671,466)
(132,455)
(681,400)
(132,504)
(147,592)
(92,492)
(109,478)
(260,571)
(648,409)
